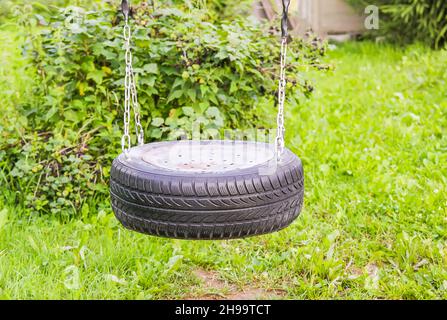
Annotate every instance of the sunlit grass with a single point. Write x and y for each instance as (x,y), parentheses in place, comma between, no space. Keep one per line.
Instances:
(373,140)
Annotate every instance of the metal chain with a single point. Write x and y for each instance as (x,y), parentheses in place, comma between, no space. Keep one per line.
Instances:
(138,127)
(130,94)
(131,98)
(280,130)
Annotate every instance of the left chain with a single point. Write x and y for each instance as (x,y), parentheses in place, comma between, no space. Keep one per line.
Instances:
(130,89)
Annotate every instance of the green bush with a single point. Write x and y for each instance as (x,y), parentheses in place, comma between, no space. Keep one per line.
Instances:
(7,7)
(187,69)
(407,21)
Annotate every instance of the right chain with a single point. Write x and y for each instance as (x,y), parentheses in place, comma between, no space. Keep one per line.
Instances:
(130,90)
(282,82)
(281,98)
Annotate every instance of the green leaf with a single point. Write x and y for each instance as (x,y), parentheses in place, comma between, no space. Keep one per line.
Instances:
(151,68)
(157,122)
(72,116)
(233,86)
(156,133)
(175,95)
(96,76)
(76,28)
(88,65)
(213,112)
(100,49)
(188,111)
(148,80)
(177,82)
(53,110)
(213,98)
(203,105)
(192,94)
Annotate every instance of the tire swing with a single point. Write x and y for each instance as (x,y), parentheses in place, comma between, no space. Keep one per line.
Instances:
(212,189)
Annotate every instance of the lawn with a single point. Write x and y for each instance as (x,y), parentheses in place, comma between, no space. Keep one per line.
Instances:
(373,140)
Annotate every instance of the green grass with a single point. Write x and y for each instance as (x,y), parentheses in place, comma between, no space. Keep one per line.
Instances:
(373,141)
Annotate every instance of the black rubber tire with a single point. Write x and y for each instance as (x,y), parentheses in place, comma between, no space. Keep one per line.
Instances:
(231,204)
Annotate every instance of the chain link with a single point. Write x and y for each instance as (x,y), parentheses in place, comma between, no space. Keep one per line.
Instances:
(130,94)
(280,130)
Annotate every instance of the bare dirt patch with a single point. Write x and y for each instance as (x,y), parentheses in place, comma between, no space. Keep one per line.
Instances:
(216,288)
